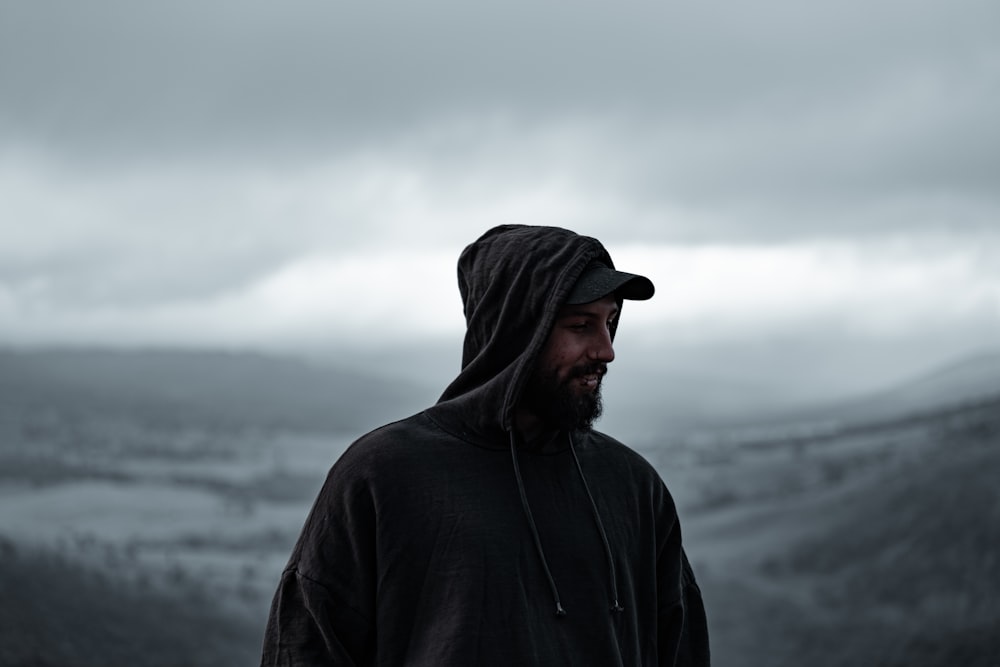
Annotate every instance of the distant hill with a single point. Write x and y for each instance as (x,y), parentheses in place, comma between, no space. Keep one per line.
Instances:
(206,387)
(964,381)
(56,612)
(886,535)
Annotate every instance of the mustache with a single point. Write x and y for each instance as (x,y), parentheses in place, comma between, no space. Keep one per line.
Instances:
(597,368)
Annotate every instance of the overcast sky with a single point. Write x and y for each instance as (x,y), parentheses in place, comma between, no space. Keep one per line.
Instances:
(819,177)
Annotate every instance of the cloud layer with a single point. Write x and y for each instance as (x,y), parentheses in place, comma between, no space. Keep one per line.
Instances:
(223,173)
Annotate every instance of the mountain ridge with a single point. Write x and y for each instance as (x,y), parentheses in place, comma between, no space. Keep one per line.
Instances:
(231,388)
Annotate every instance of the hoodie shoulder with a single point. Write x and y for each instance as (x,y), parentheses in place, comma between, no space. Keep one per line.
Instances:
(393,440)
(610,446)
(618,464)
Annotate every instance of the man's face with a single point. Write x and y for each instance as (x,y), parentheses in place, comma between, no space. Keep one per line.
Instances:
(565,389)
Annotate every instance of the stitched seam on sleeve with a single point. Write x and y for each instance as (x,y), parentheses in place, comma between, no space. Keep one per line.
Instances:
(329,592)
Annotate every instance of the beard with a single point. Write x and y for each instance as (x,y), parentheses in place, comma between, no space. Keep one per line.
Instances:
(555,402)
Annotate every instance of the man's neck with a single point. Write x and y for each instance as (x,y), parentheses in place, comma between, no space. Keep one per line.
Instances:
(526,423)
(529,426)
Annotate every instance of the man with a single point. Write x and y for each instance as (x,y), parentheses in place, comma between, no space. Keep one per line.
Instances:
(497,527)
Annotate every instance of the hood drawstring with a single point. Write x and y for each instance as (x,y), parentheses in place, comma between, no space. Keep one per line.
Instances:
(560,611)
(615,606)
(531,524)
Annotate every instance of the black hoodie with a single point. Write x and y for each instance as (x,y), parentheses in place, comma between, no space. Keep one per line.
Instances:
(442,539)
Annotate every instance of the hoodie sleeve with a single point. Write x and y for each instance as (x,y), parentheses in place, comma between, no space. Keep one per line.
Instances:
(692,649)
(307,626)
(323,609)
(682,627)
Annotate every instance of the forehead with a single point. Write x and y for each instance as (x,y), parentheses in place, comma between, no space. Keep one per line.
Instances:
(602,308)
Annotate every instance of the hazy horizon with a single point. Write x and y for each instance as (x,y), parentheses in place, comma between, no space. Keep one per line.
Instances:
(644,405)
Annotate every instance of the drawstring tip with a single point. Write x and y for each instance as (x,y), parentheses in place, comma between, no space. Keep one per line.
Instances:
(559,609)
(617,607)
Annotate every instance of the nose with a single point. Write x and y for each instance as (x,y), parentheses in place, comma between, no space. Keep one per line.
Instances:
(601,348)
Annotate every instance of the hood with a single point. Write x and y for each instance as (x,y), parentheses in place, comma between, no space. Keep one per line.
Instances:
(513,280)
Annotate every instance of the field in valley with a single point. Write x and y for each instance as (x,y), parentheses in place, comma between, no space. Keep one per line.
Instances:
(877,546)
(141,537)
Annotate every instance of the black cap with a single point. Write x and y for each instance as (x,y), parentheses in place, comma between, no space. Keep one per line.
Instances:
(598,281)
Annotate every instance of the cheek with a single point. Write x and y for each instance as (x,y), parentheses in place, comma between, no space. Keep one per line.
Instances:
(565,361)
(561,354)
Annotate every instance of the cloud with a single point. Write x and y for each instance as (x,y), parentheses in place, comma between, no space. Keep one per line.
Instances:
(361,300)
(885,290)
(258,79)
(775,119)
(707,295)
(174,231)
(184,172)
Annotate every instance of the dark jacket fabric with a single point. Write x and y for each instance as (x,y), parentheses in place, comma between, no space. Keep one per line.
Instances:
(418,550)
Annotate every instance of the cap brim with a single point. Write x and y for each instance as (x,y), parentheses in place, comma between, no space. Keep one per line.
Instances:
(600,281)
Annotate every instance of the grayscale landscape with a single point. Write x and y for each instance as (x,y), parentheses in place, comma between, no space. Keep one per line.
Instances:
(228,245)
(150,500)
